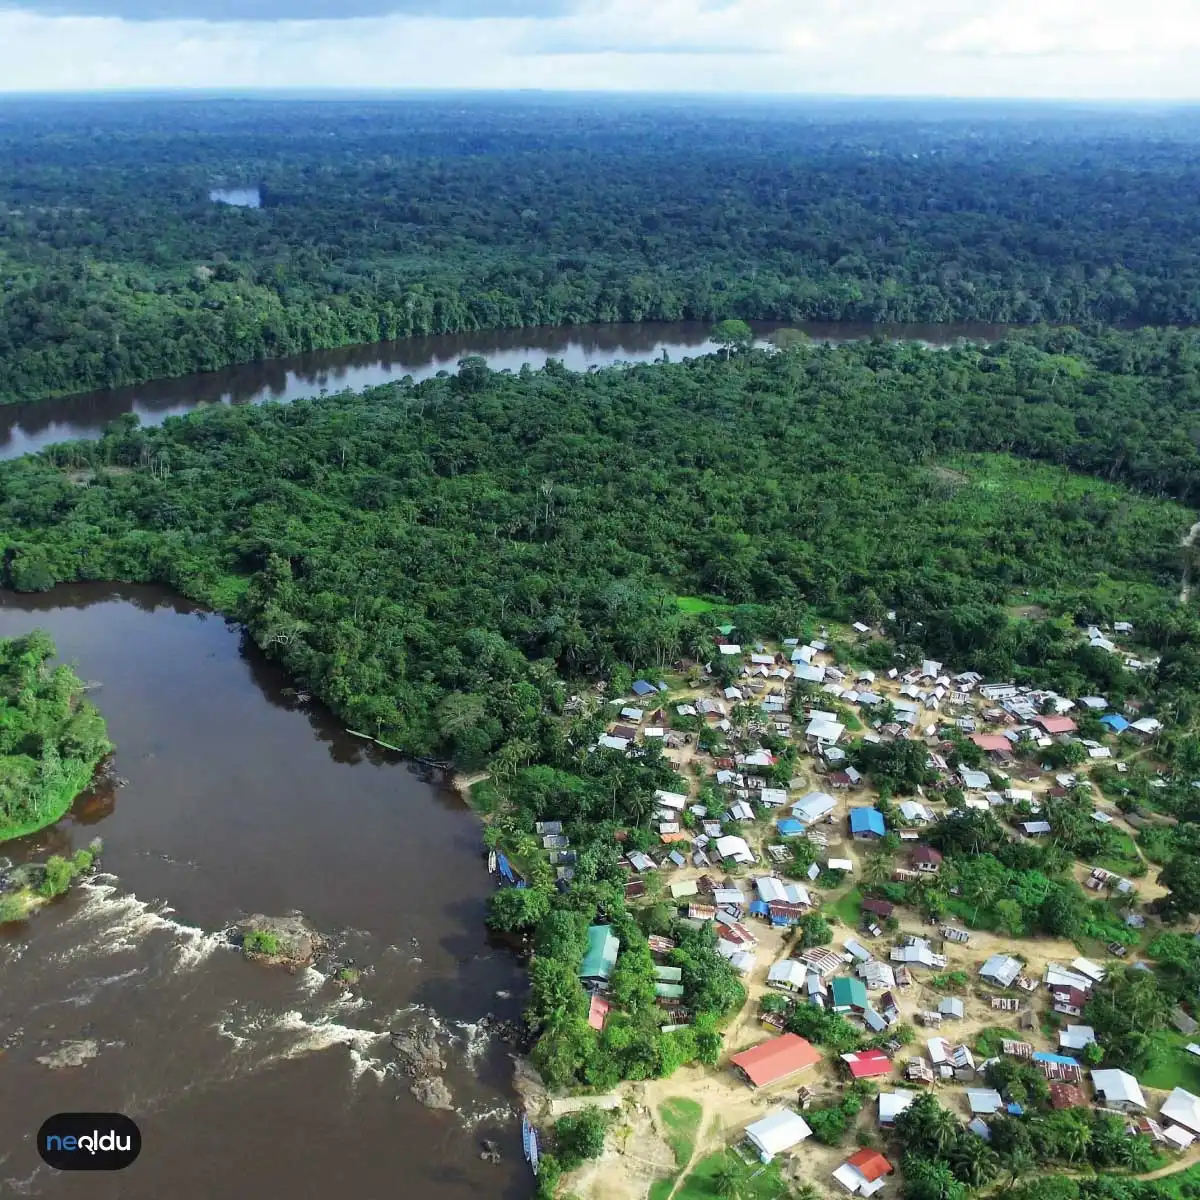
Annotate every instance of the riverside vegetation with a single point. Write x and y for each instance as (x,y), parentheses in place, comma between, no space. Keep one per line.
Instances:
(51,738)
(385,219)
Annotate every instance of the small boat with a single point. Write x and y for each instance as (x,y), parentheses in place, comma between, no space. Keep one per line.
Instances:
(529,1142)
(492,863)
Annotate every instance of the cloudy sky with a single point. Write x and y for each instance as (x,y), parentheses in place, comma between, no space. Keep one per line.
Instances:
(1095,49)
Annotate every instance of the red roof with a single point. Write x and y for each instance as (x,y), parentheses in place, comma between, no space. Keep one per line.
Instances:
(991,741)
(926,854)
(870,1164)
(776,1059)
(1066,1095)
(598,1013)
(1055,724)
(867,1064)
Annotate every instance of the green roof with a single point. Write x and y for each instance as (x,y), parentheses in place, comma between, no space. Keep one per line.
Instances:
(669,991)
(602,951)
(849,993)
(724,630)
(668,974)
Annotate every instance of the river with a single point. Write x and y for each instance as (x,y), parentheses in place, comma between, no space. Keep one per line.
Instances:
(247,1080)
(25,428)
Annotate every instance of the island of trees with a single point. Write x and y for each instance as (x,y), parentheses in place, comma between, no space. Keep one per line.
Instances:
(51,737)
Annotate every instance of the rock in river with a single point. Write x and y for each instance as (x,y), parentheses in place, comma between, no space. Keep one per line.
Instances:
(291,939)
(433,1093)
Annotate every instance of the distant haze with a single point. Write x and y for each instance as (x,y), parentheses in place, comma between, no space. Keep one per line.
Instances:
(1070,49)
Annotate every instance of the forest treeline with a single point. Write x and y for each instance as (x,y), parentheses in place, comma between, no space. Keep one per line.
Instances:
(432,559)
(389,219)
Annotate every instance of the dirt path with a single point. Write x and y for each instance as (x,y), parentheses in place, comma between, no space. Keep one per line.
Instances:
(1189,541)
(1187,1160)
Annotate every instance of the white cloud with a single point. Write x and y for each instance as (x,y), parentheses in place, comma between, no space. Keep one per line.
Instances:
(1018,48)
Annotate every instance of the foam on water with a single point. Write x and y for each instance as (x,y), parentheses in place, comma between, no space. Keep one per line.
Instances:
(311,981)
(482,1116)
(475,1041)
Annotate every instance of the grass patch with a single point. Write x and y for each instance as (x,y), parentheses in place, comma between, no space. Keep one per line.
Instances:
(1179,1185)
(660,1189)
(681,1120)
(1177,1069)
(695,605)
(988,1041)
(848,908)
(763,1183)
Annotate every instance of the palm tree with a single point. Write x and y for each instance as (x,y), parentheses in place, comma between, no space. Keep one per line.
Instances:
(975,1162)
(1018,1163)
(1136,1154)
(732,1181)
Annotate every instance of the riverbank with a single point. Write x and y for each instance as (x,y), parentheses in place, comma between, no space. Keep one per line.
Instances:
(77,779)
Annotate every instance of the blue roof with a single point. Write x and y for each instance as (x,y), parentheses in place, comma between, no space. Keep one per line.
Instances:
(790,827)
(642,688)
(867,820)
(1015,1110)
(759,908)
(506,872)
(1115,722)
(1043,1056)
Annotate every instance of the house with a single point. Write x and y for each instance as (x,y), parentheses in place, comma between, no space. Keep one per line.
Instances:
(789,827)
(879,908)
(773,797)
(1182,1108)
(1118,1089)
(776,1059)
(1076,1037)
(1035,828)
(790,975)
(892,1104)
(864,1172)
(926,859)
(1115,722)
(915,813)
(877,976)
(849,995)
(735,848)
(985,1101)
(814,808)
(784,913)
(1067,1000)
(684,887)
(952,1007)
(868,1064)
(824,731)
(777,1133)
(808,672)
(978,781)
(1001,969)
(599,958)
(1055,725)
(672,800)
(1093,971)
(1146,728)
(598,1012)
(917,951)
(1066,1095)
(642,688)
(992,743)
(729,649)
(823,961)
(867,823)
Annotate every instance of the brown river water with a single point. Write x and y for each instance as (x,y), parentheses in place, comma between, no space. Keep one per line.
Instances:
(25,428)
(247,1080)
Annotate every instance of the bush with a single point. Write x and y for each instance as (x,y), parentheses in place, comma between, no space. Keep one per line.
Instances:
(12,908)
(259,941)
(57,877)
(579,1136)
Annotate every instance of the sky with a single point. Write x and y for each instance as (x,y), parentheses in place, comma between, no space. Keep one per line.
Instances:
(1053,49)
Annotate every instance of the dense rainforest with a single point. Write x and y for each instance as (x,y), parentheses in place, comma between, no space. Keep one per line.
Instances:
(51,738)
(386,218)
(432,558)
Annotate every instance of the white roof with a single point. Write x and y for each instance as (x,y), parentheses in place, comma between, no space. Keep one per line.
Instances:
(778,1132)
(670,799)
(797,893)
(733,847)
(1096,702)
(770,889)
(765,660)
(790,971)
(1147,725)
(824,730)
(979,780)
(730,649)
(913,810)
(840,864)
(984,1100)
(813,807)
(684,887)
(809,672)
(613,743)
(1118,1087)
(1075,1037)
(892,1104)
(1183,1108)
(1092,970)
(1003,968)
(1057,976)
(773,797)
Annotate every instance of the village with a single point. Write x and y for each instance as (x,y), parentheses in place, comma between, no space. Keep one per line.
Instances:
(941,1003)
